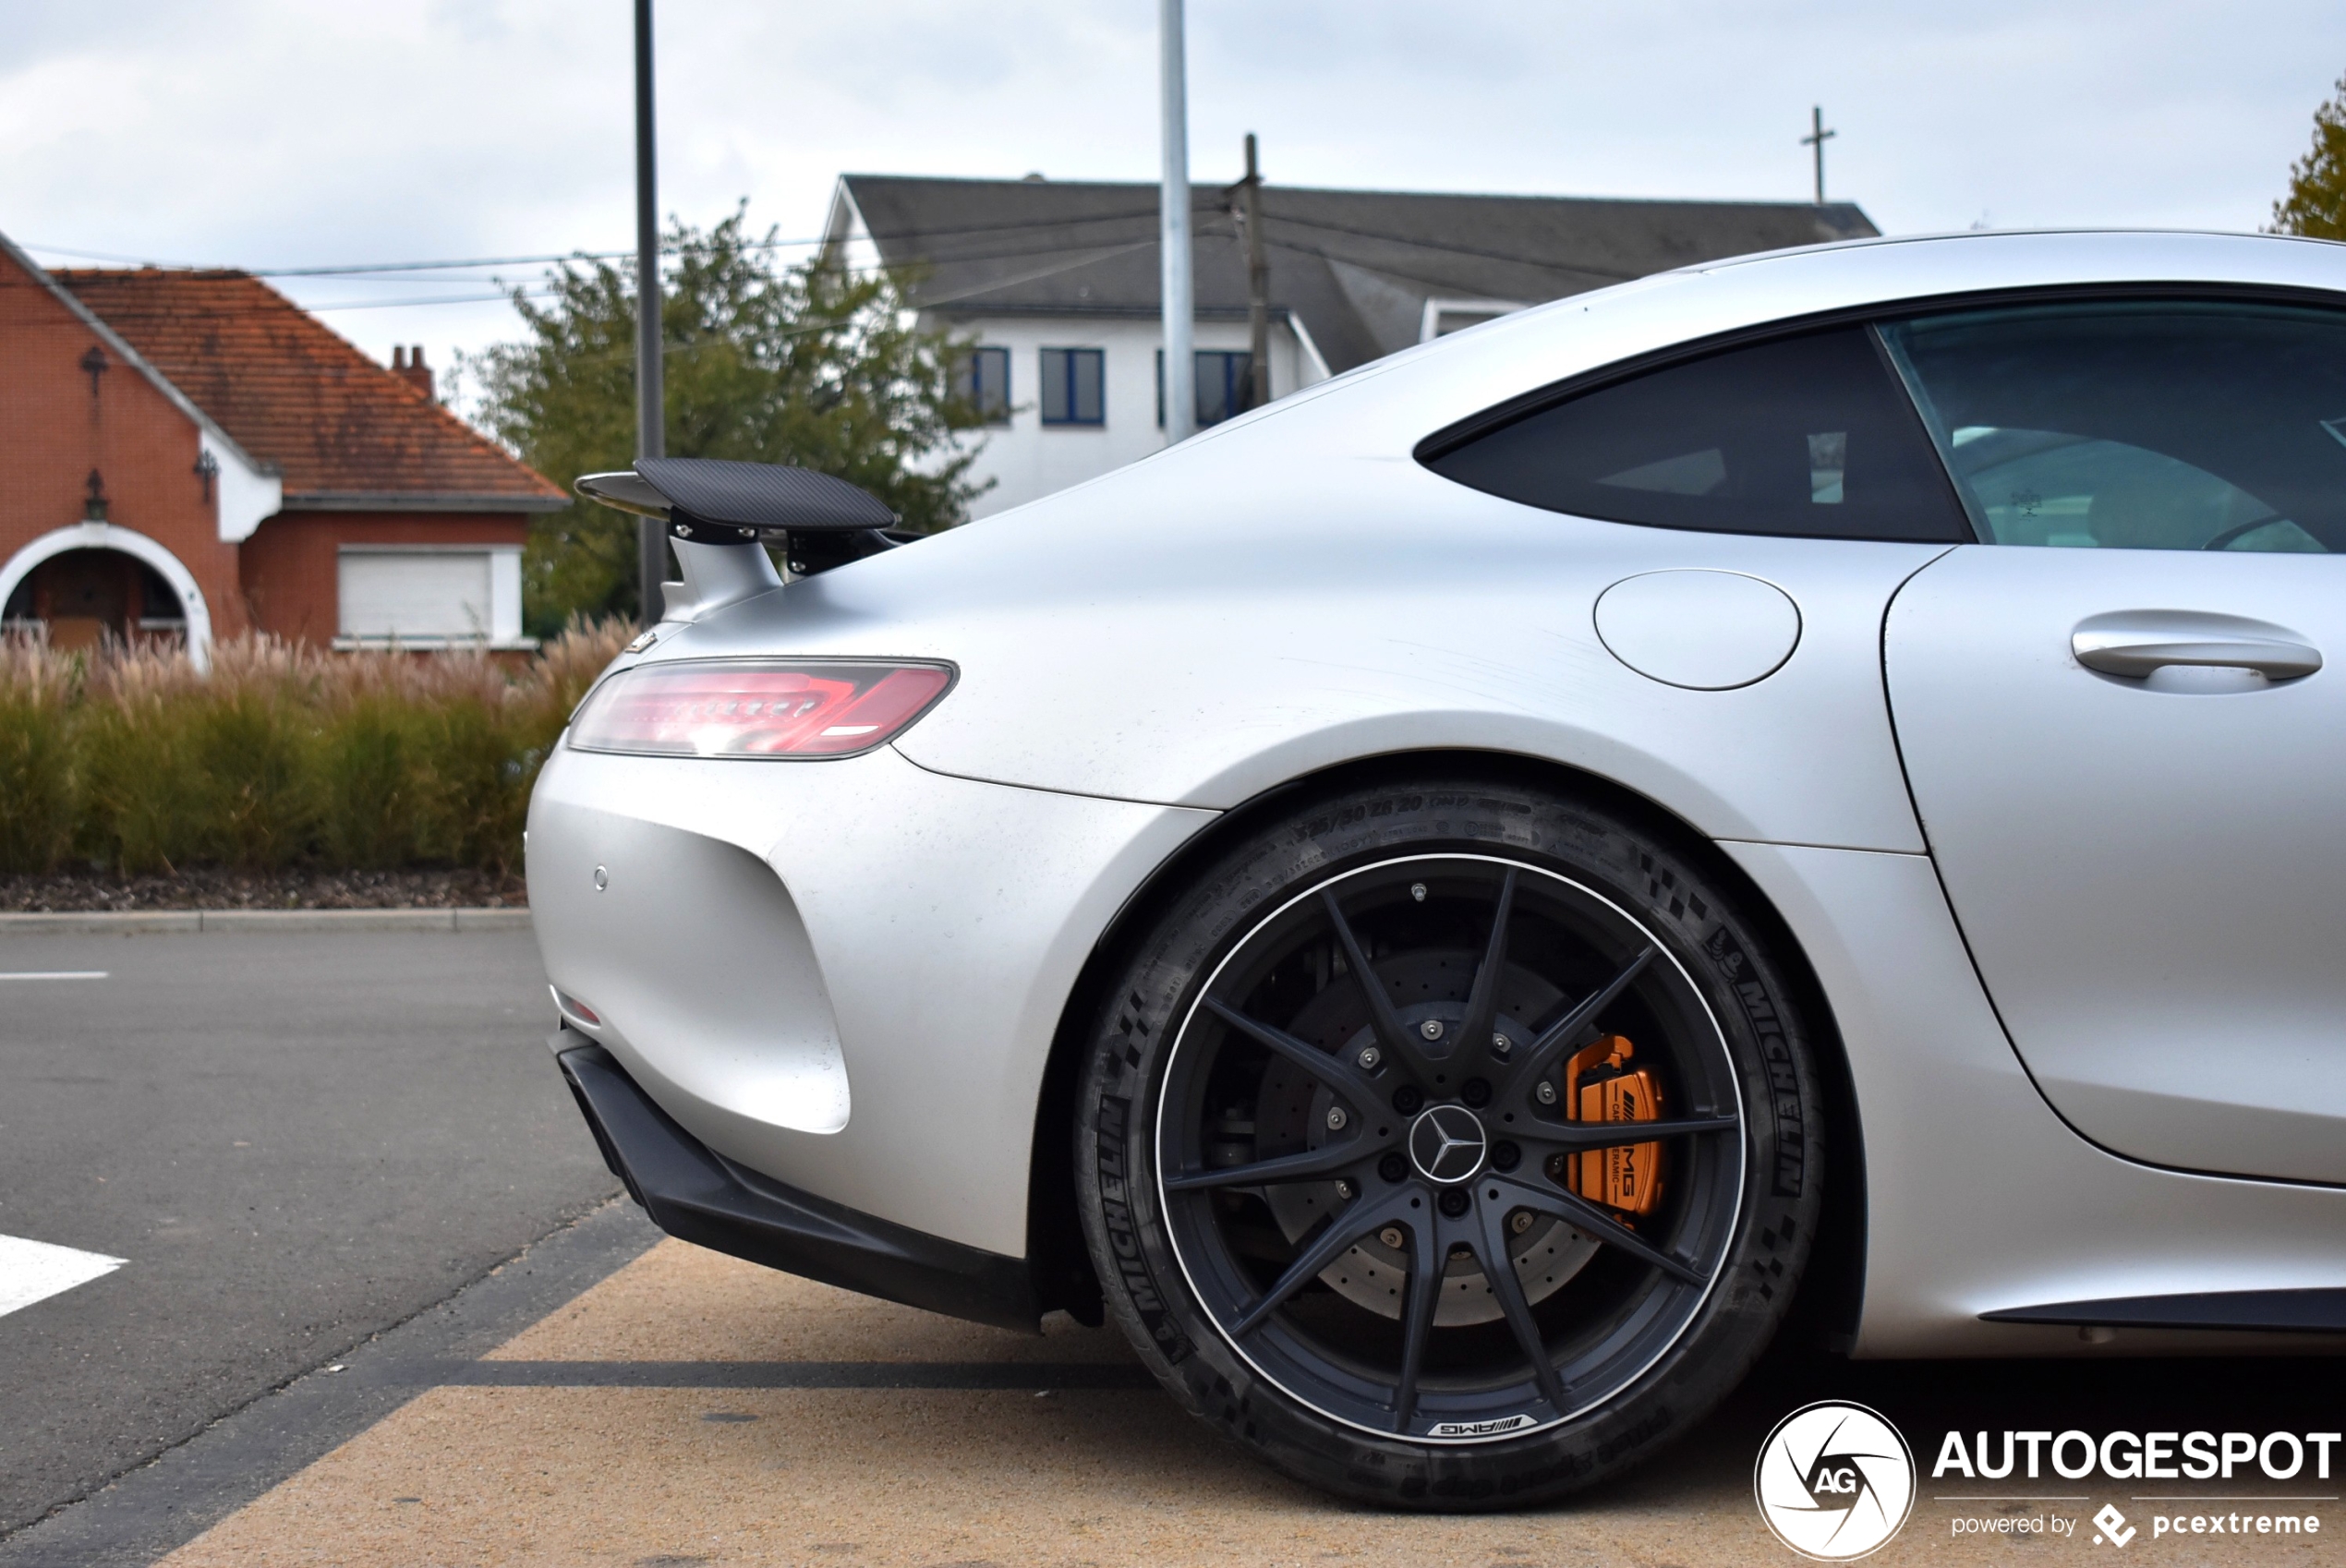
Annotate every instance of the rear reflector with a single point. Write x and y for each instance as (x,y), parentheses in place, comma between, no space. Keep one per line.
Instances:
(573,1007)
(808,709)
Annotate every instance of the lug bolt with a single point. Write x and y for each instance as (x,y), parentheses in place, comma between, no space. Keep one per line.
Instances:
(1417,891)
(1343,1189)
(1431,1029)
(1408,1098)
(1393,1167)
(1475,1091)
(1337,1118)
(1455,1203)
(1521,1222)
(1370,1057)
(1391,1236)
(1545,1093)
(1505,1156)
(1501,1045)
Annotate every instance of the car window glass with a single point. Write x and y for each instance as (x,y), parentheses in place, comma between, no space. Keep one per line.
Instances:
(2139,424)
(1807,435)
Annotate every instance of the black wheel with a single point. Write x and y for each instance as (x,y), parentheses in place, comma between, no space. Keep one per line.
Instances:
(1450,1145)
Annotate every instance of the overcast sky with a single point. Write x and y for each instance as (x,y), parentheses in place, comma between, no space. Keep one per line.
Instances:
(284,133)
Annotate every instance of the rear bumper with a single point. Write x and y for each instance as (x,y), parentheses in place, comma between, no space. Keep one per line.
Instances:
(845,975)
(697,1195)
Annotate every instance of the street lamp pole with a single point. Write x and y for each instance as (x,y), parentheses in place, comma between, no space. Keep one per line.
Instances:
(1180,362)
(651,542)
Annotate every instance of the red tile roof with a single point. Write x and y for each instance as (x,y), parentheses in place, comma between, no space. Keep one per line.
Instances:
(291,392)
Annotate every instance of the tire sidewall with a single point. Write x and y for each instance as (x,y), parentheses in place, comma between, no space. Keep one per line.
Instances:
(1717,947)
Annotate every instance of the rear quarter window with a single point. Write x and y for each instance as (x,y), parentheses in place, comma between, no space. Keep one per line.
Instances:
(1810,436)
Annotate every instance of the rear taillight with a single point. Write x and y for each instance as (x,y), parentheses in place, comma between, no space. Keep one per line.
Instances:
(755,709)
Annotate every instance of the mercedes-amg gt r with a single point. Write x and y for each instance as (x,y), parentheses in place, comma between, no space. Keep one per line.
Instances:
(1442,904)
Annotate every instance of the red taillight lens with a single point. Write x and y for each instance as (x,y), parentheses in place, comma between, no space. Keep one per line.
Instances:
(755,709)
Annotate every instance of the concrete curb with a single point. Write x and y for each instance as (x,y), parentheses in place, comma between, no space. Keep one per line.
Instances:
(140,922)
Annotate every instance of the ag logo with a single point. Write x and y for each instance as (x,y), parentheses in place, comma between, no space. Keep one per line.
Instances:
(1834,1481)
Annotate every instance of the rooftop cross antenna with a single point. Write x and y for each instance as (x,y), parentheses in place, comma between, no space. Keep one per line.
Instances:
(1816,138)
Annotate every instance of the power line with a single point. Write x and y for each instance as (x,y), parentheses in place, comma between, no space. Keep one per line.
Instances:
(355,269)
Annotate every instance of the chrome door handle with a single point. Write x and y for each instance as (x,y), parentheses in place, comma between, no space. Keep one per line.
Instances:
(2135,644)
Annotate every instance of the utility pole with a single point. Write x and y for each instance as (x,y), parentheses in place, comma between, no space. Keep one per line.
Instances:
(651,432)
(1816,138)
(1173,204)
(1258,284)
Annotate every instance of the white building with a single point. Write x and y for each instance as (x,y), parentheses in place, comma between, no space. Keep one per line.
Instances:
(1057,283)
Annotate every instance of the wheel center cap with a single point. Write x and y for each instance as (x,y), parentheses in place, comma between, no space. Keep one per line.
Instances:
(1447,1143)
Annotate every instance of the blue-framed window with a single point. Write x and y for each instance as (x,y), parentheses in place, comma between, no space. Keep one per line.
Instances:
(985,383)
(1074,386)
(1225,385)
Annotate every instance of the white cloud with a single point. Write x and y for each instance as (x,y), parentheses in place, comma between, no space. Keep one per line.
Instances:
(289,132)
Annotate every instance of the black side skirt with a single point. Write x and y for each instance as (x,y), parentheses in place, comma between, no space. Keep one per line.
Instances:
(697,1195)
(2319,1311)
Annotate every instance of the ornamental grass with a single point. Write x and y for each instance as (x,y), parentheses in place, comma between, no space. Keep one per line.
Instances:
(281,757)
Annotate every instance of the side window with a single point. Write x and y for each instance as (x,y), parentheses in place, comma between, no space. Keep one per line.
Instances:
(1807,436)
(2140,426)
(1074,386)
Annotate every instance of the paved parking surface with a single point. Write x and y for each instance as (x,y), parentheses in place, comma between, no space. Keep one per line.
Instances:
(692,1409)
(306,1138)
(292,1139)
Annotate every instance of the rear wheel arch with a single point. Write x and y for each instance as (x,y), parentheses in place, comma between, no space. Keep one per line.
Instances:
(1825,1312)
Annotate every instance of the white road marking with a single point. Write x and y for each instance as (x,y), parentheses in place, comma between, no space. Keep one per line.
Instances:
(35,1270)
(54,975)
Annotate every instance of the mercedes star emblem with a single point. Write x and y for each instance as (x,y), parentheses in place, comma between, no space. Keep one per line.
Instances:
(1447,1144)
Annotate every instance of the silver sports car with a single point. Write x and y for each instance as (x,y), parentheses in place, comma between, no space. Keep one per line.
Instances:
(1443,904)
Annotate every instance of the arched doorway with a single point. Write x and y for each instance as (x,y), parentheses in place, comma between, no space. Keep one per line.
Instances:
(96,581)
(87,597)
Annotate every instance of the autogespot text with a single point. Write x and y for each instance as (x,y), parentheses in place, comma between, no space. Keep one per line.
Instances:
(2127,1457)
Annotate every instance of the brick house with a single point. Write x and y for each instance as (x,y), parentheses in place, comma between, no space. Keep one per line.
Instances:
(190,456)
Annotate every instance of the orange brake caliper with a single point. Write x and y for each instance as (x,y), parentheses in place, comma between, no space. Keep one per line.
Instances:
(1598,1088)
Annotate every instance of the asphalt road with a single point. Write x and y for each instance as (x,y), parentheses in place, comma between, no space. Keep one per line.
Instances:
(295,1140)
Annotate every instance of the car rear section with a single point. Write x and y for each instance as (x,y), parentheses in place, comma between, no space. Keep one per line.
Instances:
(806,1001)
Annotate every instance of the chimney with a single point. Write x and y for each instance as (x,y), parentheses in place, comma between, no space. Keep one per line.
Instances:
(410,367)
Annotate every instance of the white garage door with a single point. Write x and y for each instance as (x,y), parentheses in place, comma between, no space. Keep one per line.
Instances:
(418,596)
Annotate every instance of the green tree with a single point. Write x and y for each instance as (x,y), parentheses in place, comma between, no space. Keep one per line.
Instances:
(2315,206)
(809,364)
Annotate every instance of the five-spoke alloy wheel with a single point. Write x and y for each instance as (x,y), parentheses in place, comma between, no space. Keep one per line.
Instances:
(1422,1164)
